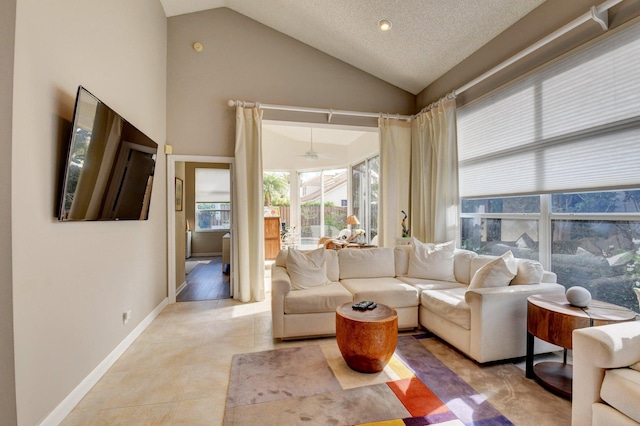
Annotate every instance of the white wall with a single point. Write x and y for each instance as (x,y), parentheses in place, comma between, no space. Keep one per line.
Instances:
(73,281)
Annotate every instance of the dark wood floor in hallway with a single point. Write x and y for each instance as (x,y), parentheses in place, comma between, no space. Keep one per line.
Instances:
(205,281)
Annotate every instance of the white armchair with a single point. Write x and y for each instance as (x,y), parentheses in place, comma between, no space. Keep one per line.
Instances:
(605,390)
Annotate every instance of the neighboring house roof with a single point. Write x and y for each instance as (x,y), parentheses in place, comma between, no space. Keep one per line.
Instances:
(333,183)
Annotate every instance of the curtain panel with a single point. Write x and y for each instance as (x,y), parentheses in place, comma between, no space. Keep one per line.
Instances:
(434,212)
(248,238)
(395,152)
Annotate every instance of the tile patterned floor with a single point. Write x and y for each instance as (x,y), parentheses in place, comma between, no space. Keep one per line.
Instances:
(177,371)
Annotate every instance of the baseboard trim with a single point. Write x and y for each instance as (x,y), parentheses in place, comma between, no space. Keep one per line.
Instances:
(68,404)
(182,286)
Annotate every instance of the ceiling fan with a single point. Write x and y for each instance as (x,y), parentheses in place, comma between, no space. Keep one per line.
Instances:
(312,155)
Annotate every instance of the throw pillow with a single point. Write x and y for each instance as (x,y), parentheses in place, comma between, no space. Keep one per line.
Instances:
(529,272)
(497,273)
(432,261)
(307,269)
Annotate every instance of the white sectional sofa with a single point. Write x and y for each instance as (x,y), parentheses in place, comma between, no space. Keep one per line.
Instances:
(485,319)
(606,375)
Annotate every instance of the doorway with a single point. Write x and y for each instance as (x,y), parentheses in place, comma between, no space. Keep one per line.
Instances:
(179,230)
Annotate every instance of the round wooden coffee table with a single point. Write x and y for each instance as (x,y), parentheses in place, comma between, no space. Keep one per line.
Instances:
(551,318)
(367,339)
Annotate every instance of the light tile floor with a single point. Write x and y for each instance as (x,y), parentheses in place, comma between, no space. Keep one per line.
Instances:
(177,371)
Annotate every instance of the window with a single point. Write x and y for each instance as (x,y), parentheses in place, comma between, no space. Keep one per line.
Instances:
(567,133)
(321,211)
(213,200)
(589,239)
(573,125)
(364,192)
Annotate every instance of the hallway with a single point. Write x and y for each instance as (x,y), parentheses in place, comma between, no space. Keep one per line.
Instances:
(205,281)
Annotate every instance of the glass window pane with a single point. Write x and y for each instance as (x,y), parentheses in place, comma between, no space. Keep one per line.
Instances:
(602,256)
(527,204)
(213,216)
(374,185)
(497,236)
(597,202)
(310,198)
(335,201)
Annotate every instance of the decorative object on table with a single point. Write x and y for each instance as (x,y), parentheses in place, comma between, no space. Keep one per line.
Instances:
(344,234)
(405,230)
(179,185)
(352,220)
(357,235)
(578,296)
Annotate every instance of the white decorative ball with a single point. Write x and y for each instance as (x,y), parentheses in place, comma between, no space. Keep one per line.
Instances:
(579,296)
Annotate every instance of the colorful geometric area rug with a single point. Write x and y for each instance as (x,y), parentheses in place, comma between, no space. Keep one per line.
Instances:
(311,385)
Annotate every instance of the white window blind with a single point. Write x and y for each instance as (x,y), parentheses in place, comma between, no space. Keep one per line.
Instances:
(213,186)
(573,125)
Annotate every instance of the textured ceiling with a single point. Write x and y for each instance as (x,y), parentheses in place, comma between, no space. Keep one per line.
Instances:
(428,37)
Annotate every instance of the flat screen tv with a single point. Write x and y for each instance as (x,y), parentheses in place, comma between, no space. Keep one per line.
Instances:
(109,168)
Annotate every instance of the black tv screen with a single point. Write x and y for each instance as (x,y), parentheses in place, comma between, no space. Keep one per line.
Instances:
(110,165)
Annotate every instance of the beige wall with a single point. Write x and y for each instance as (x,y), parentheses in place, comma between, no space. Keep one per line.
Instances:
(73,281)
(544,20)
(245,60)
(7,372)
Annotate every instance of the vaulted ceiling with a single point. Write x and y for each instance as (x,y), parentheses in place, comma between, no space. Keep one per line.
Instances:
(427,37)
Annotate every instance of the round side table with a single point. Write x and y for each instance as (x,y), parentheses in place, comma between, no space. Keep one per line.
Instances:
(552,318)
(367,339)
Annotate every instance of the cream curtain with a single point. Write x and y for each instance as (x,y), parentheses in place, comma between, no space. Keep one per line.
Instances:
(395,152)
(248,236)
(434,212)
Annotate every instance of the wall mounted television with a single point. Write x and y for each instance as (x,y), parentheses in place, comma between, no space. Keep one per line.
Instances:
(108,174)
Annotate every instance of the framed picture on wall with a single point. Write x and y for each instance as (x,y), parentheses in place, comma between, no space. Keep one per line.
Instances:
(179,190)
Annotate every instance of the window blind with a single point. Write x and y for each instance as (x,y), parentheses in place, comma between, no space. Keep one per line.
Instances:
(572,125)
(213,186)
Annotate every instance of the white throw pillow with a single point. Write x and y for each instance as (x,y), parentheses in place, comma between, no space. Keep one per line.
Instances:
(497,273)
(307,268)
(432,261)
(528,272)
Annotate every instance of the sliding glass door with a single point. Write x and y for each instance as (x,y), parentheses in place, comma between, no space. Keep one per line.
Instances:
(365,182)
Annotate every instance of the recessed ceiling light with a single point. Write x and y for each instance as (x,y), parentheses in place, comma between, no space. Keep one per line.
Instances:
(384,25)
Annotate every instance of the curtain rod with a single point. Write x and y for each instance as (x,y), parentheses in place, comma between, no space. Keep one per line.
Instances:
(596,13)
(330,112)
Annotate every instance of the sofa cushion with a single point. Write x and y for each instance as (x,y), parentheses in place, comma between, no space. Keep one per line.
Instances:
(422,284)
(529,272)
(316,299)
(462,265)
(366,263)
(401,254)
(621,390)
(307,268)
(389,291)
(331,256)
(432,261)
(448,304)
(497,273)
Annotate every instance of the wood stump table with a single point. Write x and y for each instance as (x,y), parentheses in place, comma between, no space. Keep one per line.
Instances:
(367,339)
(551,318)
